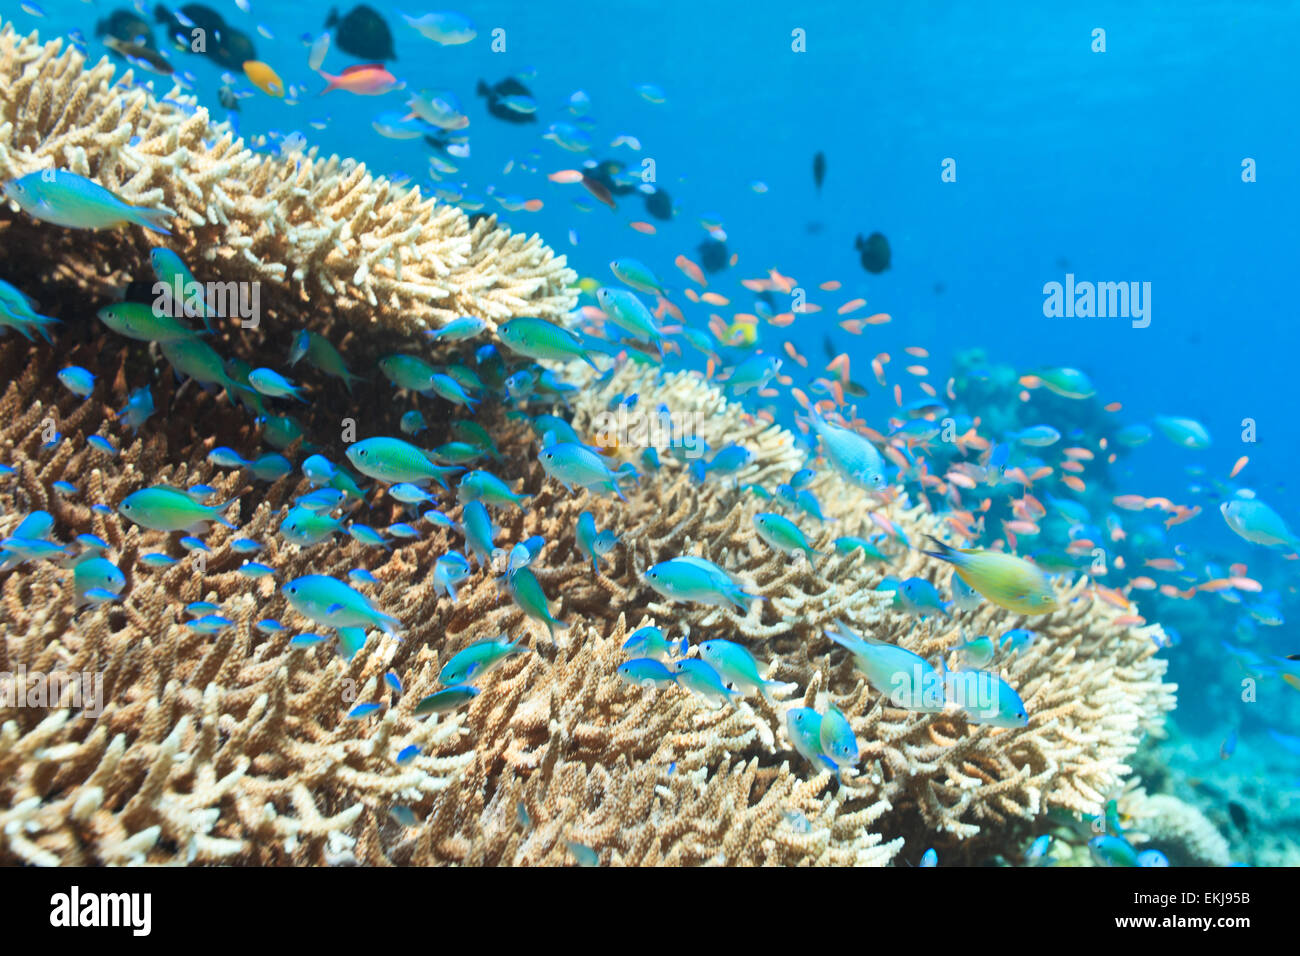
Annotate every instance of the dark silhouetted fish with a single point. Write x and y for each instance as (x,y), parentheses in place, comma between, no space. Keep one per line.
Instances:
(495,94)
(713,255)
(222,43)
(127,26)
(874,252)
(819,169)
(362,33)
(659,204)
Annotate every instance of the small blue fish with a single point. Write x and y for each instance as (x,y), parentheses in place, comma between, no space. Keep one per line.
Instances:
(920,598)
(1229,745)
(269,626)
(701,678)
(695,579)
(583,854)
(449,698)
(449,571)
(155,559)
(254,569)
(802,478)
(409,494)
(307,640)
(1036,436)
(364,534)
(412,423)
(363,576)
(649,641)
(245,546)
(592,543)
(190,543)
(321,500)
(100,443)
(364,710)
(92,542)
(210,624)
(224,457)
(1015,641)
(271,467)
(639,670)
(77,380)
(838,742)
(929,858)
(407,754)
(393,681)
(320,471)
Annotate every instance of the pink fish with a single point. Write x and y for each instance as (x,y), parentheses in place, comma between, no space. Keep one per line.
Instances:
(364,79)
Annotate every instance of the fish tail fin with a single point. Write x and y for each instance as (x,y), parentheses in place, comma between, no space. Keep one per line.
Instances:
(684,646)
(333,18)
(945,552)
(155,219)
(331,82)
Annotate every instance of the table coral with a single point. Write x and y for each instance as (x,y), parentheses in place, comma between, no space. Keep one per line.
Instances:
(237,747)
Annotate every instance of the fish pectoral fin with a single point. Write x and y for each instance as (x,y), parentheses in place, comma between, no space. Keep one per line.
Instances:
(333,609)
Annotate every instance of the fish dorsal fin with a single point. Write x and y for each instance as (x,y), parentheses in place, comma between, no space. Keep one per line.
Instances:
(361,68)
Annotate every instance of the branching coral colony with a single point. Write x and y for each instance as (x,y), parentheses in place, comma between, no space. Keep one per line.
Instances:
(238,746)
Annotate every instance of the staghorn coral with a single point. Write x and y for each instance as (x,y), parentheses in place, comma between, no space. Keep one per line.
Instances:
(236,747)
(312,229)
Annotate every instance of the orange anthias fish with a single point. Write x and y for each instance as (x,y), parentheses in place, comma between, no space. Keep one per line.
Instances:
(364,79)
(264,78)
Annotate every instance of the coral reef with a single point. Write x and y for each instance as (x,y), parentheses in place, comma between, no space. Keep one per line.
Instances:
(237,747)
(311,229)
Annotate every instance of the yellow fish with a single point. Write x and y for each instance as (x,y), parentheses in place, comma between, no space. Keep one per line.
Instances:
(1007,581)
(264,78)
(741,334)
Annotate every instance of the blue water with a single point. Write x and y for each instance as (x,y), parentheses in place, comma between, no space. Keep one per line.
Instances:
(1117,166)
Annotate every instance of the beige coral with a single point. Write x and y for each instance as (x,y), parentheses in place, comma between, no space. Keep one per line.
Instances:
(1178,829)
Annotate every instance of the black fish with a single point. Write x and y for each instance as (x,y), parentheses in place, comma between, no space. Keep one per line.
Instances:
(495,94)
(127,26)
(874,252)
(1239,818)
(659,204)
(713,255)
(363,33)
(222,43)
(819,169)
